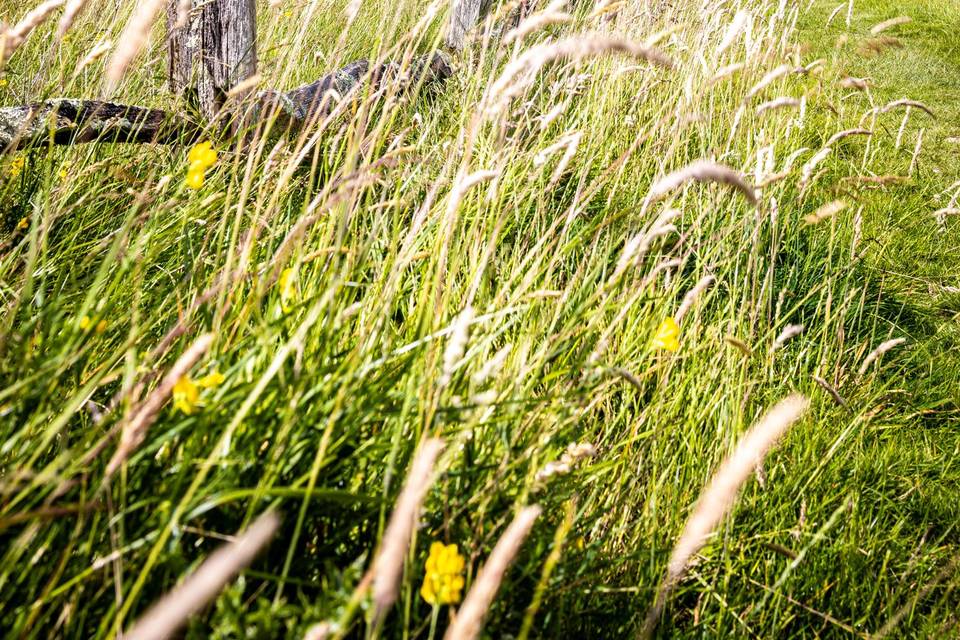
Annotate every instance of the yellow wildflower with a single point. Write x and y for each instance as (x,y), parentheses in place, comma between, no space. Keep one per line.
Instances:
(186,395)
(443,580)
(24,223)
(211,380)
(667,336)
(201,157)
(288,287)
(16,166)
(3,83)
(195,178)
(84,323)
(101,326)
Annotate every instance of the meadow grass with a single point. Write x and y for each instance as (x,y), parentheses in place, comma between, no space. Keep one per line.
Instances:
(487,263)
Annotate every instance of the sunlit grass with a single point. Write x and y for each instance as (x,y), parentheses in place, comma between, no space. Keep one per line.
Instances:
(452,264)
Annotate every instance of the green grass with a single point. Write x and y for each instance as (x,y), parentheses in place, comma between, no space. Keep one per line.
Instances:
(328,392)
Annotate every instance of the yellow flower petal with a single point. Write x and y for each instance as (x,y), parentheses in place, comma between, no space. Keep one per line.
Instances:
(195,178)
(667,336)
(185,395)
(212,379)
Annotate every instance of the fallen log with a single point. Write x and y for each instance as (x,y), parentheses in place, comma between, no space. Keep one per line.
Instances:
(64,121)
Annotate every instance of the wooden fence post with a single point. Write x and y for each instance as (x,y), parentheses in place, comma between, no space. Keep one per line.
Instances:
(463,18)
(212,47)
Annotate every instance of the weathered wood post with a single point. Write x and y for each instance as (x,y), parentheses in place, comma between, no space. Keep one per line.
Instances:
(212,47)
(464,16)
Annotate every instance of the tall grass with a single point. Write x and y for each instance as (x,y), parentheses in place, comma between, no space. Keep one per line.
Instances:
(463,262)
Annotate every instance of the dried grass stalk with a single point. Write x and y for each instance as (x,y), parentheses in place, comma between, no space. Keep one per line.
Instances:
(784,102)
(890,24)
(860,84)
(701,171)
(519,72)
(469,620)
(825,212)
(879,351)
(733,31)
(789,332)
(167,615)
(692,296)
(806,173)
(456,344)
(553,14)
(388,565)
(725,72)
(70,13)
(826,386)
(840,135)
(720,494)
(904,102)
(135,430)
(132,40)
(769,79)
(16,35)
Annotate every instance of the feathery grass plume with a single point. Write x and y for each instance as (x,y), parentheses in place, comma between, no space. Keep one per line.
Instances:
(879,351)
(877,180)
(940,215)
(890,24)
(733,30)
(825,211)
(916,152)
(788,163)
(203,585)
(720,494)
(492,366)
(806,173)
(456,343)
(850,82)
(772,178)
(810,66)
(835,12)
(826,386)
(725,72)
(905,102)
(518,74)
(739,344)
(552,14)
(701,171)
(840,135)
(93,55)
(604,7)
(571,145)
(469,621)
(903,129)
(876,46)
(789,332)
(388,565)
(688,300)
(777,103)
(132,40)
(636,247)
(16,35)
(769,78)
(134,431)
(70,13)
